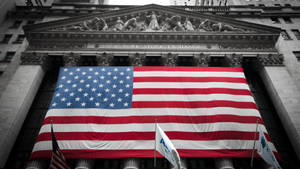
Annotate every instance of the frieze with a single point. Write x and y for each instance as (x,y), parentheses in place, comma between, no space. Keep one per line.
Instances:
(151,21)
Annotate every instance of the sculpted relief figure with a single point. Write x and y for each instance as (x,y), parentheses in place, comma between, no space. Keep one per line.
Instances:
(130,24)
(153,25)
(188,25)
(204,26)
(95,24)
(119,25)
(224,27)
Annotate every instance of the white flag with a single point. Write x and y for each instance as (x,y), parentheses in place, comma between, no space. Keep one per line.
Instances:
(166,148)
(265,151)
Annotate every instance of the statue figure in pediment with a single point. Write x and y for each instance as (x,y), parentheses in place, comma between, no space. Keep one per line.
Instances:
(178,25)
(205,26)
(130,24)
(188,25)
(224,27)
(119,25)
(97,24)
(153,25)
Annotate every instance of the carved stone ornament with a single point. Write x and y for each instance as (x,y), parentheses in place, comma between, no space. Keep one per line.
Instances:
(104,59)
(71,59)
(202,60)
(171,59)
(150,21)
(35,59)
(138,59)
(235,60)
(271,60)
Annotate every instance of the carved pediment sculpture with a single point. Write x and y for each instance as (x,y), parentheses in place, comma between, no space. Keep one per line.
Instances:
(150,21)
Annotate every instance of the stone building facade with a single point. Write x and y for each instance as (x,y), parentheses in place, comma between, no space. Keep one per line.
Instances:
(36,41)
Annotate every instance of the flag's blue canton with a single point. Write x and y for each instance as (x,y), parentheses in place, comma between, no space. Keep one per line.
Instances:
(94,87)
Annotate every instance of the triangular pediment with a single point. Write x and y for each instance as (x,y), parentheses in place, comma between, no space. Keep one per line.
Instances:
(152,18)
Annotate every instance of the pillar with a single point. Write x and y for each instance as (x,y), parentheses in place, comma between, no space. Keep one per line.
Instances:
(17,99)
(223,163)
(104,59)
(286,99)
(36,164)
(131,163)
(85,164)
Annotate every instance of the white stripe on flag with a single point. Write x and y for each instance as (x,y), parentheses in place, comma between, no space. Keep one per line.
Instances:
(148,127)
(153,112)
(187,74)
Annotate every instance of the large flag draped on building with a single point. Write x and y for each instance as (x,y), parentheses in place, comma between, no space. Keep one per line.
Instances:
(109,112)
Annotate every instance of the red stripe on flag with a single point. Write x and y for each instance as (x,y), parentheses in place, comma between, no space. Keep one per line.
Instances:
(192,104)
(117,136)
(150,119)
(192,91)
(189,79)
(192,69)
(74,154)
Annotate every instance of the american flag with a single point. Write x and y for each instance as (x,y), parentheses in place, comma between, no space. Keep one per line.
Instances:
(110,112)
(58,160)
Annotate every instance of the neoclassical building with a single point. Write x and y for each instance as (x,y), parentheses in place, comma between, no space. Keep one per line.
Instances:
(151,35)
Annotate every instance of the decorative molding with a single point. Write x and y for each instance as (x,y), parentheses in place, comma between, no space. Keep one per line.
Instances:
(33,58)
(271,60)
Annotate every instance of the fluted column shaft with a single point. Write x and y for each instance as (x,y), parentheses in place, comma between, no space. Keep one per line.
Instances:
(223,163)
(36,164)
(131,163)
(85,164)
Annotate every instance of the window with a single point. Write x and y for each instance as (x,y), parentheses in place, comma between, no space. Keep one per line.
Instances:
(20,39)
(297,55)
(296,33)
(16,24)
(6,38)
(275,20)
(285,35)
(287,19)
(8,57)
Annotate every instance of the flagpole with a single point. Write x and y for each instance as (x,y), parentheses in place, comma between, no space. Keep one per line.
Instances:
(155,143)
(254,141)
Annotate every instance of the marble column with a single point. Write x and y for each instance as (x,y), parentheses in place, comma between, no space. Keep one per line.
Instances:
(85,164)
(223,163)
(36,164)
(131,163)
(16,100)
(285,96)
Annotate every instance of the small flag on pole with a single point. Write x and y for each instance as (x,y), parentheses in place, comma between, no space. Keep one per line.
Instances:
(58,160)
(265,151)
(165,147)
